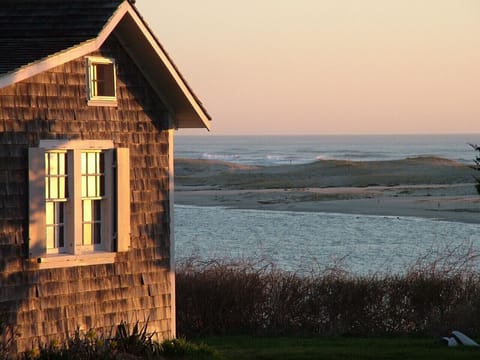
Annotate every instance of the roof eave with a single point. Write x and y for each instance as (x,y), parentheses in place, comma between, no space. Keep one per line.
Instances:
(188,112)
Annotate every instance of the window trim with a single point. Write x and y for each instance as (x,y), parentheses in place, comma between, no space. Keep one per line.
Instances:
(117,207)
(98,100)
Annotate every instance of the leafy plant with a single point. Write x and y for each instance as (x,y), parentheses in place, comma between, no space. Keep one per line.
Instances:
(129,343)
(80,346)
(137,340)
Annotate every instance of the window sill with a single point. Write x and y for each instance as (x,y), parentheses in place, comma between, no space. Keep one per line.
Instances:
(102,102)
(69,260)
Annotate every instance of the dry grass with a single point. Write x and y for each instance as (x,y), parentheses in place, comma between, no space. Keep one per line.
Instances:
(438,293)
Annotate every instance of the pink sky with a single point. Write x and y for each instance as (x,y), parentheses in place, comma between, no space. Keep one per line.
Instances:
(327,66)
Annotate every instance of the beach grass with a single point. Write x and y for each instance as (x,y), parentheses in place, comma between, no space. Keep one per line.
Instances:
(436,295)
(303,348)
(324,173)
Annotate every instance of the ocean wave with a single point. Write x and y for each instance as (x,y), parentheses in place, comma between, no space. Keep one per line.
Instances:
(286,161)
(222,157)
(272,159)
(282,150)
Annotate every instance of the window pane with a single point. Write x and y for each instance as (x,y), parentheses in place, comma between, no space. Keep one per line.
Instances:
(101,160)
(97,233)
(84,186)
(53,164)
(91,185)
(61,241)
(87,211)
(92,163)
(49,213)
(87,234)
(62,164)
(62,194)
(105,80)
(60,215)
(97,210)
(102,185)
(84,162)
(50,237)
(53,188)
(97,186)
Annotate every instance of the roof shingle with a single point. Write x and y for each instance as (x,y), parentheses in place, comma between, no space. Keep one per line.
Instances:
(33,29)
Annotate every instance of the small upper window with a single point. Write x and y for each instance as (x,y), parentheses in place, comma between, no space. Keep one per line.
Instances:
(101,81)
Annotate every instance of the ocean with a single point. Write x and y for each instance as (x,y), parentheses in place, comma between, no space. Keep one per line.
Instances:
(302,242)
(280,150)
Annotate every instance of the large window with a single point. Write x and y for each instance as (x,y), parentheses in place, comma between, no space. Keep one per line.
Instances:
(79,201)
(101,81)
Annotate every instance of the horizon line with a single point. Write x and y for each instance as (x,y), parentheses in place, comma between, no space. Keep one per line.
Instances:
(331,134)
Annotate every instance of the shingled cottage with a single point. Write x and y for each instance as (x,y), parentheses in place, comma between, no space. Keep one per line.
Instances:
(89,101)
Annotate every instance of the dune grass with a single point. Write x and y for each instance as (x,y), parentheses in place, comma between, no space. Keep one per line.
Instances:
(331,314)
(436,295)
(303,348)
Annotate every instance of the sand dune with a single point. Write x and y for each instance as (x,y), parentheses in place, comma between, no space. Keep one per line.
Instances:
(324,173)
(424,186)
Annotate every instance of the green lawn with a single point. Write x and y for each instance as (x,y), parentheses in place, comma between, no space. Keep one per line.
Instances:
(302,348)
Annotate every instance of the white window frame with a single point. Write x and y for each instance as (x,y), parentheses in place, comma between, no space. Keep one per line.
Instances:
(115,205)
(92,98)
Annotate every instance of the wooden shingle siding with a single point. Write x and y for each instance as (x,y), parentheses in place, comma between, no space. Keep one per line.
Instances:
(47,304)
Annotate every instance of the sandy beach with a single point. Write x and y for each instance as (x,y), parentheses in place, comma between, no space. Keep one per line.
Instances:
(421,187)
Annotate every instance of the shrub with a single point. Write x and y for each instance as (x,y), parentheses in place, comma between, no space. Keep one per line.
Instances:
(182,349)
(437,293)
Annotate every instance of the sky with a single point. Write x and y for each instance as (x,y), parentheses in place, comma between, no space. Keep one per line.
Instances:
(327,66)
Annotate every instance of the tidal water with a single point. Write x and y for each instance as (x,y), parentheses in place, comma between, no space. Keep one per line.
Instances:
(302,242)
(305,241)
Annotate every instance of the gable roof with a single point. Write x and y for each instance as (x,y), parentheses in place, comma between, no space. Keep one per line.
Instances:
(37,35)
